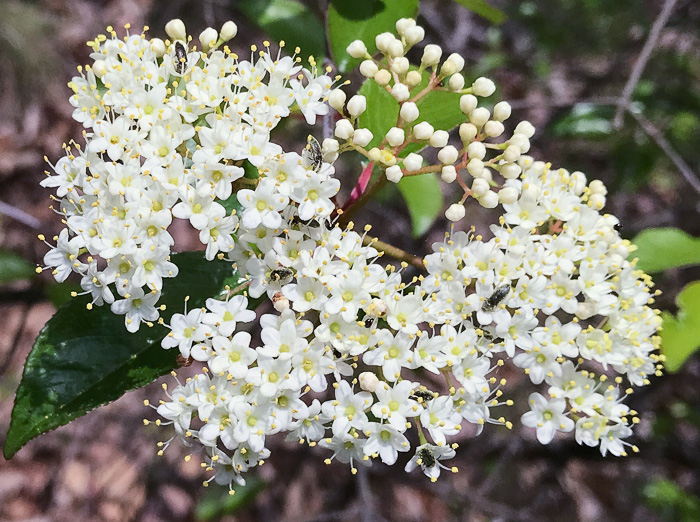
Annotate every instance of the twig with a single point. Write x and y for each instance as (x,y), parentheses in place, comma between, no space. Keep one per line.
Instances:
(641,63)
(20,215)
(658,138)
(394,252)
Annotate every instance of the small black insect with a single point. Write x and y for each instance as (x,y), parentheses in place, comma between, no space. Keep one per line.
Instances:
(312,156)
(281,275)
(180,57)
(425,395)
(496,297)
(617,226)
(427,457)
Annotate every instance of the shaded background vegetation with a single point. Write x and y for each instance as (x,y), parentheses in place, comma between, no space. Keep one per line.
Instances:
(564,65)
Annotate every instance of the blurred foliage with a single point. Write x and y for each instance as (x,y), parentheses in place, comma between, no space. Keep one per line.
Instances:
(14,267)
(671,502)
(679,336)
(659,249)
(217,502)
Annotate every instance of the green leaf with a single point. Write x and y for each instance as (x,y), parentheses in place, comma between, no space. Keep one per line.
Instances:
(290,21)
(83,358)
(480,7)
(350,20)
(382,111)
(679,337)
(585,121)
(14,267)
(659,249)
(424,200)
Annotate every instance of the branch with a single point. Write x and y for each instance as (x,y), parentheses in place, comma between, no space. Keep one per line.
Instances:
(394,252)
(641,63)
(19,215)
(657,136)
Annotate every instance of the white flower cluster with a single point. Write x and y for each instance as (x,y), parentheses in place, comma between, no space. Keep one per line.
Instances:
(168,130)
(409,363)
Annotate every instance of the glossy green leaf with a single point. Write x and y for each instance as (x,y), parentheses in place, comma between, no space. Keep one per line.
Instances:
(290,21)
(679,337)
(83,358)
(382,111)
(14,267)
(350,20)
(424,200)
(659,249)
(480,7)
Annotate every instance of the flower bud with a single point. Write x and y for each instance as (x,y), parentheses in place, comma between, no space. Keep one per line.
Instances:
(368,68)
(468,103)
(100,68)
(479,116)
(400,92)
(521,141)
(395,49)
(175,29)
(455,212)
(453,64)
(357,105)
(586,310)
(413,78)
(483,87)
(477,150)
(413,161)
(489,200)
(475,167)
(431,55)
(362,137)
(526,128)
(409,112)
(374,154)
(368,382)
(501,111)
(467,132)
(493,129)
(395,136)
(158,47)
(414,35)
(357,49)
(394,173)
(456,82)
(508,195)
(480,186)
(383,41)
(448,155)
(228,31)
(344,129)
(510,170)
(511,154)
(400,65)
(382,77)
(597,187)
(448,173)
(336,99)
(377,307)
(423,131)
(596,201)
(439,139)
(280,302)
(208,38)
(330,145)
(579,181)
(404,24)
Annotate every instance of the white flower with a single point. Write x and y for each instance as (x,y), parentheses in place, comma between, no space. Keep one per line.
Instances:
(547,417)
(428,457)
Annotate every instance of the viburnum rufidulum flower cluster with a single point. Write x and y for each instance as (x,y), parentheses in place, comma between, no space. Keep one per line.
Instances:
(355,358)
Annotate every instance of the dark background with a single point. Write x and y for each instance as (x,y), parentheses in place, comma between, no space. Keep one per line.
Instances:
(563,64)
